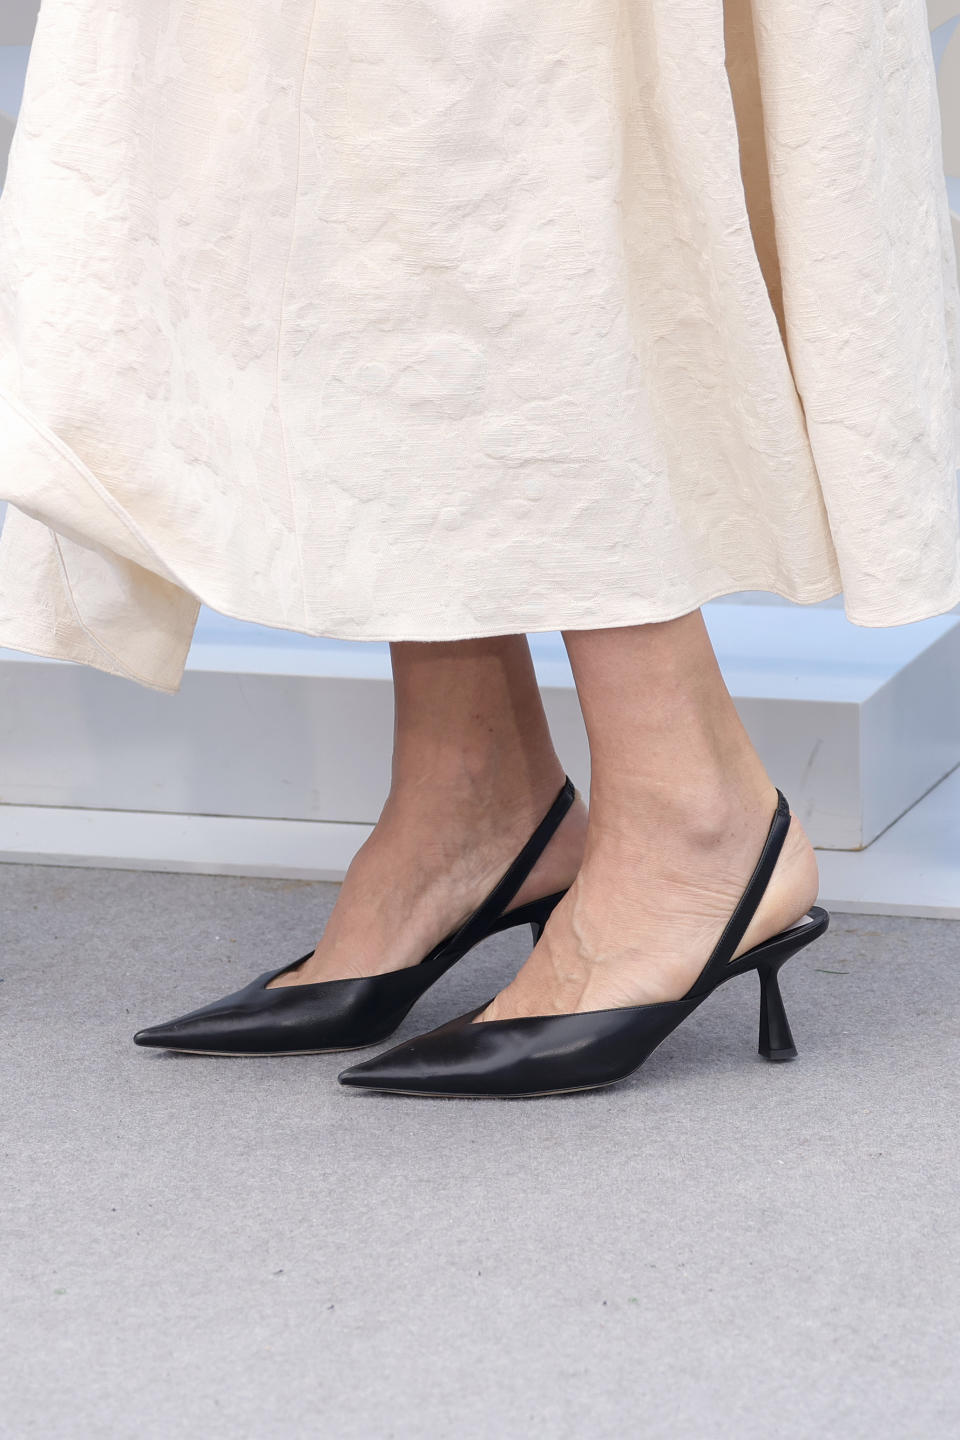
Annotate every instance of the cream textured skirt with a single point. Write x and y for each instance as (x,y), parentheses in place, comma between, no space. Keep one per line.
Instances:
(423,320)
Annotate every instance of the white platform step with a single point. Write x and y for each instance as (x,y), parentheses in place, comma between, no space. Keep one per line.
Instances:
(203,844)
(854,724)
(912,869)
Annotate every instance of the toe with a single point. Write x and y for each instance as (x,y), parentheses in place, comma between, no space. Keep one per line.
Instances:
(154,1036)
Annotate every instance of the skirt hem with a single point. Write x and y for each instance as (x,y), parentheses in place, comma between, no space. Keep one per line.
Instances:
(52,604)
(10,640)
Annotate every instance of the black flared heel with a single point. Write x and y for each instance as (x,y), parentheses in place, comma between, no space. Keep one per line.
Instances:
(553,1054)
(311,1019)
(776,1041)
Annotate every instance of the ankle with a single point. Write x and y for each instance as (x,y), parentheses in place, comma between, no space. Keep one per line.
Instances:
(690,815)
(470,783)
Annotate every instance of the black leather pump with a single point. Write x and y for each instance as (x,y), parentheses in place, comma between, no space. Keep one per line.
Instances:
(348,1014)
(549,1055)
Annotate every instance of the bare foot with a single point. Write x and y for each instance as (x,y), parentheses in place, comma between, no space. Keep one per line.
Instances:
(430,860)
(641,918)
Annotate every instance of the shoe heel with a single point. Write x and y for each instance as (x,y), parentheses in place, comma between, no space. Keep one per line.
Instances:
(776,1041)
(535,913)
(540,912)
(538,921)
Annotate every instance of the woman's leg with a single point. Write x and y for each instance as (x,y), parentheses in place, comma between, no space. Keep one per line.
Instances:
(474,771)
(680,805)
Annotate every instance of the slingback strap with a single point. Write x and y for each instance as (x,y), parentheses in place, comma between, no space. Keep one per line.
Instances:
(747,905)
(507,886)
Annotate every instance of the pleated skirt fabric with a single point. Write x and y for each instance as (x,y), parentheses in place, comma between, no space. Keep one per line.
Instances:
(417,320)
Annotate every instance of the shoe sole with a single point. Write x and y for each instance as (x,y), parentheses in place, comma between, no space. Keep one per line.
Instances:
(261,1054)
(526,1094)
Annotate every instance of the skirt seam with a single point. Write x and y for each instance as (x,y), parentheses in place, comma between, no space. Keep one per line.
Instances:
(280,319)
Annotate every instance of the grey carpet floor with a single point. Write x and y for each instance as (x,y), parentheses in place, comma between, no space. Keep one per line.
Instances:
(240,1248)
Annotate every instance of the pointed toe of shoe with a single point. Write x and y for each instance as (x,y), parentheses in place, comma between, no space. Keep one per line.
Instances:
(213,1029)
(154,1037)
(391,1080)
(172,1035)
(358,1079)
(425,1065)
(499,1060)
(290,1020)
(394,1070)
(250,1021)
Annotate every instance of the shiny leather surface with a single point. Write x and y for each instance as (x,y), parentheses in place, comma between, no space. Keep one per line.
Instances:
(546,1055)
(543,1055)
(335,1014)
(535,1056)
(347,1014)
